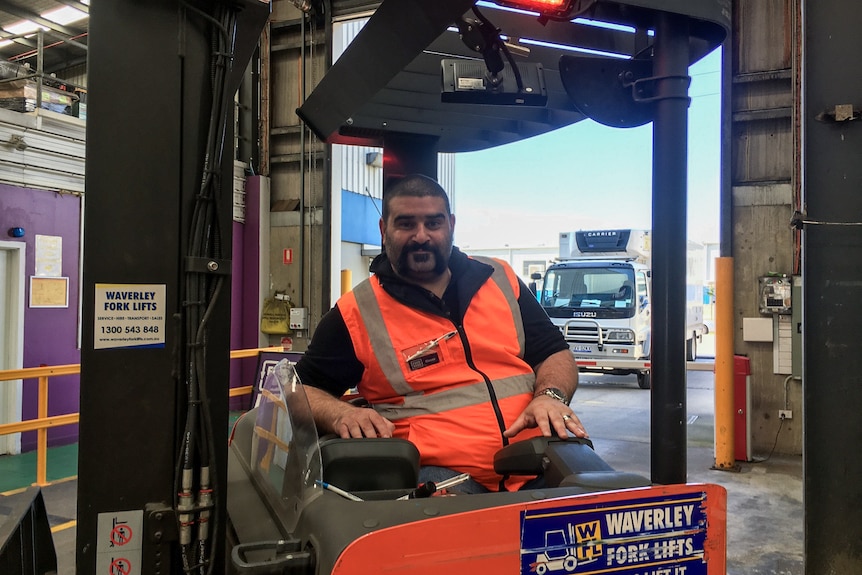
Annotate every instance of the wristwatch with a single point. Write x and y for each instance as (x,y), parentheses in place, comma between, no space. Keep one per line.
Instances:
(555,393)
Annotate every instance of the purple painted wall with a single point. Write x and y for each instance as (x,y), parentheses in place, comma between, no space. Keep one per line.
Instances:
(244,330)
(50,334)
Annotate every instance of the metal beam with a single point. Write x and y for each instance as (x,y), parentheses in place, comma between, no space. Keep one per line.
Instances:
(18,39)
(68,41)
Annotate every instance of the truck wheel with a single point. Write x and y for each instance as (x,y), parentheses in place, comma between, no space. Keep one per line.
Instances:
(644,380)
(691,349)
(541,569)
(570,563)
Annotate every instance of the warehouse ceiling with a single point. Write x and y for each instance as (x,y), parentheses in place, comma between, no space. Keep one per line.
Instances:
(63,25)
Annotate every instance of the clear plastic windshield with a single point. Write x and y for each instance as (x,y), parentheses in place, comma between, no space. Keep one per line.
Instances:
(285,450)
(593,287)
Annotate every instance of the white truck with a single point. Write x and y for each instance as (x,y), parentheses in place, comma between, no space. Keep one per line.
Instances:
(598,292)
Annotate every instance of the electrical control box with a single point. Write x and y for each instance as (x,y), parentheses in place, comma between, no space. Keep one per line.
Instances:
(298,318)
(775,294)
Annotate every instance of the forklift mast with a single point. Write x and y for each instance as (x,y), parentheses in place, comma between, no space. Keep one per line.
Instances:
(156,289)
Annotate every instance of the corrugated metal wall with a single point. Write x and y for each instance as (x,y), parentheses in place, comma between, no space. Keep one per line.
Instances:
(357,175)
(294,58)
(764,185)
(359,169)
(76,75)
(42,150)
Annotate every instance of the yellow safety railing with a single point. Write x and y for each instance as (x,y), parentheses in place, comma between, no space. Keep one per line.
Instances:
(42,422)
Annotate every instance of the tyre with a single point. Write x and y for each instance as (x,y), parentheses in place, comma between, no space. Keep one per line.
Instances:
(691,349)
(570,563)
(644,380)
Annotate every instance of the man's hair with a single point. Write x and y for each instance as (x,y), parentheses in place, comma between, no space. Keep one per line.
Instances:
(416,185)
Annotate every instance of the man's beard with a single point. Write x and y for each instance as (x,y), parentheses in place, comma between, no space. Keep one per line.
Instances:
(412,267)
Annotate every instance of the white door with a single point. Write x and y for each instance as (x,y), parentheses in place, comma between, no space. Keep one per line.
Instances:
(11,337)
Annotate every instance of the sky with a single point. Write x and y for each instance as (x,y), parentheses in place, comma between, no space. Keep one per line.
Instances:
(587,176)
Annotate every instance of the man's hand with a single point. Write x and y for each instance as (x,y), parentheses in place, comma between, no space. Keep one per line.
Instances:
(560,371)
(362,422)
(550,416)
(336,416)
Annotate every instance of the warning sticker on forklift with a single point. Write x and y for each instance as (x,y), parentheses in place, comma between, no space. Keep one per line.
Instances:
(129,315)
(119,542)
(648,536)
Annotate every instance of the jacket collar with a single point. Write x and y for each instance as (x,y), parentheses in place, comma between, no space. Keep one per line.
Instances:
(468,275)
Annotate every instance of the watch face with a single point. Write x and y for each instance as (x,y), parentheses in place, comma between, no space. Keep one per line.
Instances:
(555,393)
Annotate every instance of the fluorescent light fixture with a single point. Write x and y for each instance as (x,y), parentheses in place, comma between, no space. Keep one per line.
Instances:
(64,15)
(601,24)
(575,49)
(23,27)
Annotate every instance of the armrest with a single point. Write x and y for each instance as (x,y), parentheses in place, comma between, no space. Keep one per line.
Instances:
(528,457)
(568,462)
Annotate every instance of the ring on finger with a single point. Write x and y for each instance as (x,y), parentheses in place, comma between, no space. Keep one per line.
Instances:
(566,417)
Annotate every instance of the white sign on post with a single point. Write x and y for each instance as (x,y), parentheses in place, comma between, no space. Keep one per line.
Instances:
(129,315)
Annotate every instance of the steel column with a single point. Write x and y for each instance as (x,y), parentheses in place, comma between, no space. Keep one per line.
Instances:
(832,276)
(147,136)
(670,156)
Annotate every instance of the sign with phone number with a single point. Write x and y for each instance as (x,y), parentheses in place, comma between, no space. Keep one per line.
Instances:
(129,315)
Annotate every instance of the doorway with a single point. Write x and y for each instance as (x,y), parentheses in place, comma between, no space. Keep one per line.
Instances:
(12,282)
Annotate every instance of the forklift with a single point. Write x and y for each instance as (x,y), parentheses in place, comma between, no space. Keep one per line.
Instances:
(160,491)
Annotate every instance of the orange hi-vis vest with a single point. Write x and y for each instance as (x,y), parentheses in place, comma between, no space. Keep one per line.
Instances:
(450,389)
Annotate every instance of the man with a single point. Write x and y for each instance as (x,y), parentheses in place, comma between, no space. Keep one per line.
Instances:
(454,353)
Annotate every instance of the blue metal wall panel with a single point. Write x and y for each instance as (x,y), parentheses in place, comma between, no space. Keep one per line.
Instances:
(359,218)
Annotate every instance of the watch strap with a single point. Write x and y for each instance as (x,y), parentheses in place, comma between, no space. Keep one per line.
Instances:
(555,393)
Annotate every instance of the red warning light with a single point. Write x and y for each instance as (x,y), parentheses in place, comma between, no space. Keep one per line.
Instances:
(554,8)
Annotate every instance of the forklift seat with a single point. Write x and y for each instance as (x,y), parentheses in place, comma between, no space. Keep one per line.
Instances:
(369,463)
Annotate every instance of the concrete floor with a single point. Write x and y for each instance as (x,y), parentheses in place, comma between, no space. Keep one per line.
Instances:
(764,515)
(764,497)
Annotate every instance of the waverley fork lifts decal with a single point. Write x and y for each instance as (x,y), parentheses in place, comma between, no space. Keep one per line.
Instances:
(657,536)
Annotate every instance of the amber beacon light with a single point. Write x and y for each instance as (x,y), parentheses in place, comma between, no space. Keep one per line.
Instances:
(550,8)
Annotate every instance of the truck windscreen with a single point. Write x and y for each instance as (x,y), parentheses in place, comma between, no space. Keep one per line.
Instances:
(586,287)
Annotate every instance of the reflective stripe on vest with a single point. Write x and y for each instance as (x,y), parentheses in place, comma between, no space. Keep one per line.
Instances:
(381,343)
(464,396)
(502,280)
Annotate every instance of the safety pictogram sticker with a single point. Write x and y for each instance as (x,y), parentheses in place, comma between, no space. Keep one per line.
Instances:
(119,542)
(120,534)
(120,566)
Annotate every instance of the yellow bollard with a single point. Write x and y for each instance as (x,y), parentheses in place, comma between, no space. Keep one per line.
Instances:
(724,405)
(346,281)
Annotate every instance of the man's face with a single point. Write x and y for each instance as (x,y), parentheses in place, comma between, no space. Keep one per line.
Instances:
(418,237)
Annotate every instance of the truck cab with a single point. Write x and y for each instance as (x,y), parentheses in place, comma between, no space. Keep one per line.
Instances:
(598,294)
